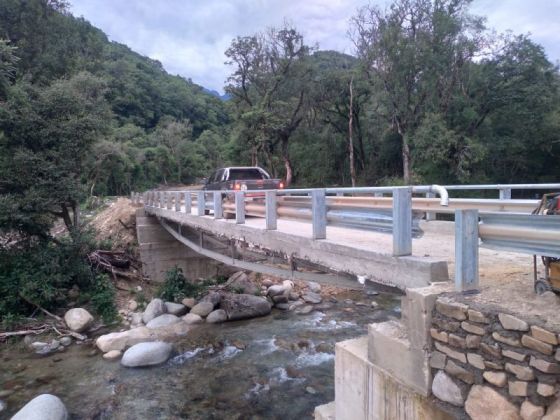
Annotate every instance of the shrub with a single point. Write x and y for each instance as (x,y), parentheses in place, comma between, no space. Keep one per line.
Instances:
(103,298)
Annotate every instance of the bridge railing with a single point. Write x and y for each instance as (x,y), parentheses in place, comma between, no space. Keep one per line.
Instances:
(401,204)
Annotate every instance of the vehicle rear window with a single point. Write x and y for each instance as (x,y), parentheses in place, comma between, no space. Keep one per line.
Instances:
(249,173)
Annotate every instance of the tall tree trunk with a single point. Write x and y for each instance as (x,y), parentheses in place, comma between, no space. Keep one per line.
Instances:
(350,140)
(407,172)
(287,162)
(66,217)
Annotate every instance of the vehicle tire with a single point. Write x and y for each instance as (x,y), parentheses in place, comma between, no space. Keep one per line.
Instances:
(206,212)
(542,286)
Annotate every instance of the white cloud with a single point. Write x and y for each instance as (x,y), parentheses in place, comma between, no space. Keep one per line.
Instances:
(189,37)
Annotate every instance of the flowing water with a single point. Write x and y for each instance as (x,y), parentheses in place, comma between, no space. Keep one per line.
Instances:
(276,367)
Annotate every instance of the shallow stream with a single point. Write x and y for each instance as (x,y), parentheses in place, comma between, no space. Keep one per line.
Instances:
(276,367)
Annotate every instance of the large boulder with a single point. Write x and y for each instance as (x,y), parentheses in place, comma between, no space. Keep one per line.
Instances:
(175,308)
(154,309)
(484,403)
(147,354)
(239,283)
(192,319)
(217,316)
(163,321)
(311,297)
(78,319)
(244,306)
(43,407)
(445,389)
(121,340)
(314,286)
(202,309)
(281,289)
(189,302)
(213,297)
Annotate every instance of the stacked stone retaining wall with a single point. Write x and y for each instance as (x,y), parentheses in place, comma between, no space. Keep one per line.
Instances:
(485,362)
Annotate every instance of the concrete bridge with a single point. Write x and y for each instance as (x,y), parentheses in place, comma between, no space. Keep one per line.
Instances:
(332,235)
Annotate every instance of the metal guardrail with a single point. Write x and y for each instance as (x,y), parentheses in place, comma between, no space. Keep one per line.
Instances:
(505,223)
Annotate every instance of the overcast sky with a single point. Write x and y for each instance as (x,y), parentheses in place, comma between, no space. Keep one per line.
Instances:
(189,37)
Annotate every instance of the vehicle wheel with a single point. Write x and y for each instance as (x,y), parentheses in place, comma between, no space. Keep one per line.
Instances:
(542,286)
(206,212)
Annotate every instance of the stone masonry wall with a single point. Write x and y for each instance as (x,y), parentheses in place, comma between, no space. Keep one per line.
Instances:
(488,364)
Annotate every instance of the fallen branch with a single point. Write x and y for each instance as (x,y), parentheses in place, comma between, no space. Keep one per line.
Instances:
(59,319)
(64,333)
(38,330)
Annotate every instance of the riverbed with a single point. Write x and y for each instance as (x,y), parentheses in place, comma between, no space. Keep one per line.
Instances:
(276,367)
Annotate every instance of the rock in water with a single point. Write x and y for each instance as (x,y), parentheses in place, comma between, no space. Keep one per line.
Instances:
(146,354)
(446,390)
(175,308)
(240,282)
(485,403)
(193,319)
(189,302)
(163,321)
(43,407)
(66,341)
(78,319)
(311,297)
(202,309)
(112,355)
(314,287)
(120,340)
(213,297)
(245,306)
(217,316)
(154,309)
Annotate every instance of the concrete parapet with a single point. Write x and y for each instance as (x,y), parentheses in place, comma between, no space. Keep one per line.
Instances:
(389,348)
(363,391)
(325,411)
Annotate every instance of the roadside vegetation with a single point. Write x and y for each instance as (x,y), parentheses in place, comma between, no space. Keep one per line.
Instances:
(431,95)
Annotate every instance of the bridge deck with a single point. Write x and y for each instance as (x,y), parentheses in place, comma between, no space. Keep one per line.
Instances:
(359,252)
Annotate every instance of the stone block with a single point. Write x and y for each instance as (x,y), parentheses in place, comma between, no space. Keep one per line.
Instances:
(456,310)
(509,322)
(457,371)
(493,365)
(518,388)
(520,357)
(417,307)
(437,360)
(484,402)
(534,344)
(472,328)
(530,411)
(451,353)
(456,341)
(445,389)
(521,372)
(544,335)
(498,379)
(491,349)
(439,335)
(390,350)
(510,341)
(546,390)
(476,360)
(445,324)
(473,341)
(325,411)
(557,354)
(544,366)
(476,316)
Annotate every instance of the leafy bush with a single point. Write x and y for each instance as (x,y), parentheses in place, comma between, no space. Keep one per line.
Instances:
(174,286)
(103,298)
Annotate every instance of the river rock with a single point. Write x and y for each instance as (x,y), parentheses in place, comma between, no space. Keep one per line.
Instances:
(245,306)
(217,316)
(175,308)
(78,319)
(213,297)
(163,321)
(192,319)
(121,340)
(202,309)
(293,296)
(154,309)
(485,403)
(66,341)
(267,282)
(304,310)
(281,289)
(189,302)
(444,388)
(314,286)
(311,297)
(136,319)
(146,354)
(132,305)
(240,282)
(280,299)
(43,407)
(112,355)
(282,306)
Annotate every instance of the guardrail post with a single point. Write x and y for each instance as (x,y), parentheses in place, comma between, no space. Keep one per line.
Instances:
(505,193)
(270,210)
(159,199)
(200,203)
(239,207)
(466,250)
(430,215)
(319,214)
(169,200)
(402,221)
(132,196)
(218,210)
(188,202)
(177,201)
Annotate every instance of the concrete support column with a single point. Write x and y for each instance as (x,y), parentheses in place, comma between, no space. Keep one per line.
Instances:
(505,193)
(177,201)
(218,209)
(239,207)
(430,215)
(200,203)
(402,221)
(188,202)
(466,250)
(159,199)
(270,210)
(168,200)
(319,214)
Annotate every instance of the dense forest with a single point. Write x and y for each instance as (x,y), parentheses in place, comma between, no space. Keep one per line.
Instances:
(430,96)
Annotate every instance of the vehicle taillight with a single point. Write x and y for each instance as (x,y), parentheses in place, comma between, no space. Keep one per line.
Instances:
(281,185)
(237,186)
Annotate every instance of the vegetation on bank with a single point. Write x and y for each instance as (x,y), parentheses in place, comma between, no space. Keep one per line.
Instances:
(431,95)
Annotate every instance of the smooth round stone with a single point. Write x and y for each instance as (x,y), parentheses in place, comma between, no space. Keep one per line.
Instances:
(175,308)
(147,354)
(202,309)
(66,341)
(112,355)
(163,321)
(78,319)
(193,319)
(217,316)
(43,407)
